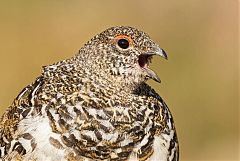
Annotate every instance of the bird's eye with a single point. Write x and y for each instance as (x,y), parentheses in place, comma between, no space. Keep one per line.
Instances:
(123,43)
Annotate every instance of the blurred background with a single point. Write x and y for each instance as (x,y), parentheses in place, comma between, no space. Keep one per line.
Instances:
(199,81)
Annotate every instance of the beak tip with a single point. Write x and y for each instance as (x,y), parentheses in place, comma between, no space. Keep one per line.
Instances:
(157,79)
(152,75)
(161,53)
(164,54)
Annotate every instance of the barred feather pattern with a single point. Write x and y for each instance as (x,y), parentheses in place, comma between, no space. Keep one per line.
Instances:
(89,111)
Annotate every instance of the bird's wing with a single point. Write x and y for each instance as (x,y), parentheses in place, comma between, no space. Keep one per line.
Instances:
(166,136)
(165,142)
(21,107)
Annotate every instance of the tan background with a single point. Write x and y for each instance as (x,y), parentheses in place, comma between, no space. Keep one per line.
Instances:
(199,81)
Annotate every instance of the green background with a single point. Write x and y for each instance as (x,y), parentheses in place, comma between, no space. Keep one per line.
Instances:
(199,81)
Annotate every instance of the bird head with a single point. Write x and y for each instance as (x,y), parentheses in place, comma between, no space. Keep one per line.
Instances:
(122,53)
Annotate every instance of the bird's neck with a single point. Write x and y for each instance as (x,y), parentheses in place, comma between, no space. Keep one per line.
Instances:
(102,72)
(88,73)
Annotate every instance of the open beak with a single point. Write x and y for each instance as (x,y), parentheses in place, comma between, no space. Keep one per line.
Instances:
(145,59)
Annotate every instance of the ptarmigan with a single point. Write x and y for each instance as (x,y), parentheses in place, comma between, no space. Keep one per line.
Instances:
(93,106)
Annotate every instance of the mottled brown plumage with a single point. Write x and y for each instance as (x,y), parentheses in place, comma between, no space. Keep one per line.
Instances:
(93,106)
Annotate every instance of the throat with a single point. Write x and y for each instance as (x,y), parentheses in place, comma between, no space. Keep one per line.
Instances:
(119,83)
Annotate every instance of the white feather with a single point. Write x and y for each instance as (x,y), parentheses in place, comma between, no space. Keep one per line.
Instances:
(39,128)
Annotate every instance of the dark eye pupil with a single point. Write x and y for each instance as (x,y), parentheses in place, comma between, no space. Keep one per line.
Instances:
(123,43)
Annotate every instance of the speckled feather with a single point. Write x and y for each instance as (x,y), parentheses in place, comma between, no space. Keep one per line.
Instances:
(93,106)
